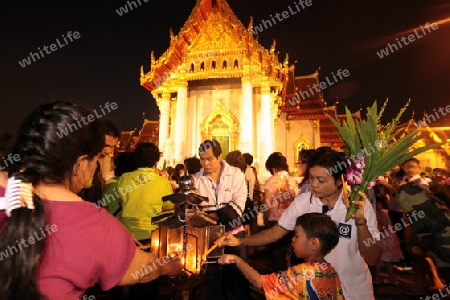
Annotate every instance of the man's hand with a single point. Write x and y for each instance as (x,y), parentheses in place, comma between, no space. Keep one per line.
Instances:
(230,240)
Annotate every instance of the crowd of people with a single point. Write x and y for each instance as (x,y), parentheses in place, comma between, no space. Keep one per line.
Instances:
(102,216)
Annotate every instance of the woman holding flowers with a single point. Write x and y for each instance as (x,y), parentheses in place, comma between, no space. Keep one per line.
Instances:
(359,237)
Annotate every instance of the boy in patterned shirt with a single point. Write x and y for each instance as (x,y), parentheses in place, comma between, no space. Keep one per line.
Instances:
(315,235)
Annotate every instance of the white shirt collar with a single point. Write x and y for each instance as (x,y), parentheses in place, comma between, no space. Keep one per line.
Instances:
(339,204)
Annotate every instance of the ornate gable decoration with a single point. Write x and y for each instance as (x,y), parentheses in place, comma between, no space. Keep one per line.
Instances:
(220,114)
(216,36)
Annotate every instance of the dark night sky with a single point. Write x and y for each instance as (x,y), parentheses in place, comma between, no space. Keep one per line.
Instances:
(103,64)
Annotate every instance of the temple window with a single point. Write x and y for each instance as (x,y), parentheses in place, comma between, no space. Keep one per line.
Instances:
(213,64)
(192,68)
(236,64)
(224,64)
(202,66)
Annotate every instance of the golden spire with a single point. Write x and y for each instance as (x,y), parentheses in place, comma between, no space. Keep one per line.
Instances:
(286,60)
(250,25)
(152,60)
(272,48)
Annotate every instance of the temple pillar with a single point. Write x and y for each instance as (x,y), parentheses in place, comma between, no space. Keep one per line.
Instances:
(181,122)
(164,109)
(173,118)
(246,134)
(266,125)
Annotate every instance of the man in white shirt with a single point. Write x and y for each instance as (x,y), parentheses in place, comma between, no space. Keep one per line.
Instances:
(226,190)
(359,237)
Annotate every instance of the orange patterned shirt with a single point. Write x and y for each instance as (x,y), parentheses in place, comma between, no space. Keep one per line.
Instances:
(315,281)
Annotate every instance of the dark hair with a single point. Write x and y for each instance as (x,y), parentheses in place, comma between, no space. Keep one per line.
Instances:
(210,144)
(175,175)
(108,127)
(276,161)
(49,143)
(398,175)
(413,159)
(304,155)
(335,162)
(236,159)
(124,162)
(318,225)
(248,158)
(193,165)
(170,171)
(146,154)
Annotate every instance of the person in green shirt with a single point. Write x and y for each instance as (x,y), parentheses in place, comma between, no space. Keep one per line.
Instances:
(141,193)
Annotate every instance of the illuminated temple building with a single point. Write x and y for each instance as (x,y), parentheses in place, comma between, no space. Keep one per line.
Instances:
(216,81)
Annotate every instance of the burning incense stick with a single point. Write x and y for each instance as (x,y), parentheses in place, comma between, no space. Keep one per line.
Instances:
(216,244)
(140,245)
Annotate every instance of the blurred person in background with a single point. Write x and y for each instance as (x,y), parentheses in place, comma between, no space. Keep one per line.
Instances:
(278,195)
(93,190)
(124,162)
(303,157)
(193,165)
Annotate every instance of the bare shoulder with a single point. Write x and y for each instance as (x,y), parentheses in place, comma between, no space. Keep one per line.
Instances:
(3,178)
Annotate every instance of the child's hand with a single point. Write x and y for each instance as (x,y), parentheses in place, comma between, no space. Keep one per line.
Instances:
(227,259)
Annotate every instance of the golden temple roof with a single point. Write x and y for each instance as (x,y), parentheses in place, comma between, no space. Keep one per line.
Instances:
(213,43)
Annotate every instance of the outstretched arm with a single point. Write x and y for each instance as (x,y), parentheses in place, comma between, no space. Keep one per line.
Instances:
(262,238)
(251,274)
(145,267)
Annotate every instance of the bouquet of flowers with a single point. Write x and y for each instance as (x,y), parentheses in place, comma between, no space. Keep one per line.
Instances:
(373,149)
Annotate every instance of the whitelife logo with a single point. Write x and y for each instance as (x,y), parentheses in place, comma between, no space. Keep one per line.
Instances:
(431,117)
(124,9)
(72,127)
(282,16)
(302,95)
(391,48)
(49,49)
(49,230)
(10,160)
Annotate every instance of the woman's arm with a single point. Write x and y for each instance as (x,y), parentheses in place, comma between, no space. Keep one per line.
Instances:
(145,267)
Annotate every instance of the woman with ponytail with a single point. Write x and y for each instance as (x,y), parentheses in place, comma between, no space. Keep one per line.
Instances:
(54,245)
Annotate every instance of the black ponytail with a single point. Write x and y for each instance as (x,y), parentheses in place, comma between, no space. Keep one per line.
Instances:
(19,264)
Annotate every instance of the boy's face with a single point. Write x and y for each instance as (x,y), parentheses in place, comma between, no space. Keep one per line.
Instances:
(411,169)
(303,246)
